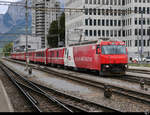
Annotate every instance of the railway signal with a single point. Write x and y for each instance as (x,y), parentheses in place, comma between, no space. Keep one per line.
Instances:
(142,84)
(30,70)
(107,92)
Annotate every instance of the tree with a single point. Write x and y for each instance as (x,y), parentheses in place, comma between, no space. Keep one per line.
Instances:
(7,49)
(52,37)
(62,28)
(53,33)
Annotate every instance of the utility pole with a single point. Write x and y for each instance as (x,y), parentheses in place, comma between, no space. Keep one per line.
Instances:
(138,43)
(141,35)
(27,60)
(46,42)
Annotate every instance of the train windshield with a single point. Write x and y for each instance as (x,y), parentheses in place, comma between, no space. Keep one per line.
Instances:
(113,49)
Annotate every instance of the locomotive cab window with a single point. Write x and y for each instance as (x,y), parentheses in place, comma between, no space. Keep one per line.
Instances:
(98,49)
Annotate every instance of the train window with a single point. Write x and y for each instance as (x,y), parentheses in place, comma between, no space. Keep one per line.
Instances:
(36,54)
(52,54)
(57,53)
(113,49)
(98,49)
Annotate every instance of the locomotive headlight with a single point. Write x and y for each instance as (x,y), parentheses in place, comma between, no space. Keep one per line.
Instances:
(126,66)
(107,66)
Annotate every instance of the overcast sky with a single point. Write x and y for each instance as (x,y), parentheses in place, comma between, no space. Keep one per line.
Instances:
(3,8)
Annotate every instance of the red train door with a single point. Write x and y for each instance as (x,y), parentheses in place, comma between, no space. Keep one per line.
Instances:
(98,57)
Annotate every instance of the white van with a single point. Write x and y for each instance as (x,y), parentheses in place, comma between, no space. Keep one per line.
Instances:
(147,59)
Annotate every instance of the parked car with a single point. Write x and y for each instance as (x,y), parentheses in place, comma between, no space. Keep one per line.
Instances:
(138,59)
(147,59)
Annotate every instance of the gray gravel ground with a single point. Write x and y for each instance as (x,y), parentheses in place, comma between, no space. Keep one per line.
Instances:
(15,96)
(118,102)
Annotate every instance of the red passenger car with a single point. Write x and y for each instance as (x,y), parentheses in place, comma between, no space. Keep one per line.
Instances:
(31,55)
(41,56)
(56,56)
(18,56)
(13,56)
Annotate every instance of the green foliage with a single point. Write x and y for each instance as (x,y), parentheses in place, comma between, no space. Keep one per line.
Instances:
(62,27)
(7,49)
(52,37)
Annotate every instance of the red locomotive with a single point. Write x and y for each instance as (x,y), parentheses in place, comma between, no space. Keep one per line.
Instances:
(107,57)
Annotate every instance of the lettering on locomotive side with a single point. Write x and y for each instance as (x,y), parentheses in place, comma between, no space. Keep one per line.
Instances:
(86,59)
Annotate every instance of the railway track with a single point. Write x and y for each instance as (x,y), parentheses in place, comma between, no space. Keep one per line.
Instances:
(143,97)
(40,100)
(130,78)
(139,71)
(135,95)
(79,105)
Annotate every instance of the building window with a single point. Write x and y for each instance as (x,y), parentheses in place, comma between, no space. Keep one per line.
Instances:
(99,32)
(86,32)
(86,1)
(103,22)
(95,32)
(99,22)
(90,32)
(136,43)
(103,33)
(86,11)
(136,32)
(94,22)
(94,11)
(86,22)
(90,22)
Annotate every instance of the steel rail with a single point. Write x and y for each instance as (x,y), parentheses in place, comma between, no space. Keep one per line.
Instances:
(121,91)
(42,94)
(126,77)
(21,89)
(41,91)
(139,71)
(118,90)
(76,98)
(54,90)
(135,79)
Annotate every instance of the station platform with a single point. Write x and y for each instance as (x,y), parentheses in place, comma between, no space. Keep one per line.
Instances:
(139,68)
(5,105)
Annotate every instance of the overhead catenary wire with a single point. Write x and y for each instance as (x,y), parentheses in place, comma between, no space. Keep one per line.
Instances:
(108,10)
